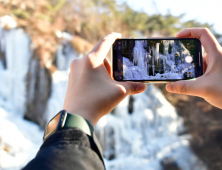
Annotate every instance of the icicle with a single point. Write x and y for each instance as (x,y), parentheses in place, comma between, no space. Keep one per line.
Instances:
(61,60)
(157,53)
(15,43)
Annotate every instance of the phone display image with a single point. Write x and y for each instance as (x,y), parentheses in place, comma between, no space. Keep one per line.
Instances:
(157,59)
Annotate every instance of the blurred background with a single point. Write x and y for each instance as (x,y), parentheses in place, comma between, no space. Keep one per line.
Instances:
(155,130)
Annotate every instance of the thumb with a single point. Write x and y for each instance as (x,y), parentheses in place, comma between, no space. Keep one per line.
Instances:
(189,87)
(134,87)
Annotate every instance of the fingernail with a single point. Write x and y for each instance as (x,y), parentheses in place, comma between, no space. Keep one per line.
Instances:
(140,87)
(170,87)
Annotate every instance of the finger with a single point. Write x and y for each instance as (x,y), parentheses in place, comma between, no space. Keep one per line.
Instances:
(189,87)
(134,87)
(207,39)
(107,65)
(205,63)
(102,48)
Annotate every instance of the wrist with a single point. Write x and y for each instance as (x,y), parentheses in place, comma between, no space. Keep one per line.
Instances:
(65,119)
(86,114)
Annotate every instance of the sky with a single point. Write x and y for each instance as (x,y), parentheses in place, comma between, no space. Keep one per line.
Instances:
(203,11)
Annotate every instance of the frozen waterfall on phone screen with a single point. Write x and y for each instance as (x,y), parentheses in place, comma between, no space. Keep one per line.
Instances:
(153,65)
(141,133)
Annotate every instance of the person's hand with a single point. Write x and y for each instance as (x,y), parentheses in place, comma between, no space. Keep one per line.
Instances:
(208,86)
(91,92)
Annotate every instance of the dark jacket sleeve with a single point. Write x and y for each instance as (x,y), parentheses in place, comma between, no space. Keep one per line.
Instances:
(68,149)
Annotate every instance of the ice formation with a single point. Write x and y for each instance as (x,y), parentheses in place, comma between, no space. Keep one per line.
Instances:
(147,136)
(155,66)
(17,143)
(14,43)
(65,55)
(140,140)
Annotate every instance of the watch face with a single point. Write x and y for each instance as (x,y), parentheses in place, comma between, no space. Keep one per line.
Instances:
(55,123)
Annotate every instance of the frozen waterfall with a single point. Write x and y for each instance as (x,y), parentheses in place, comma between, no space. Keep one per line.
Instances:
(147,136)
(158,66)
(15,47)
(141,140)
(18,145)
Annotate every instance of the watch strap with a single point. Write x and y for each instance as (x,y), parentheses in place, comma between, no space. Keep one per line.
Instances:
(73,120)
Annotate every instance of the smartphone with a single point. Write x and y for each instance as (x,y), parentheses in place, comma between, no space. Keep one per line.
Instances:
(156,60)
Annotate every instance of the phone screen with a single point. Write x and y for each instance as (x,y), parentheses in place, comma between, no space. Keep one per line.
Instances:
(157,59)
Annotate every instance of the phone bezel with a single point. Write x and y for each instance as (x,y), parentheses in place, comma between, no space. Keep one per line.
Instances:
(199,50)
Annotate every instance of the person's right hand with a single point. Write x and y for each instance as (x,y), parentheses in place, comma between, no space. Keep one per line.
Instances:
(208,86)
(91,92)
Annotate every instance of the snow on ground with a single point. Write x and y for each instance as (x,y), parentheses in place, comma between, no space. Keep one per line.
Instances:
(20,140)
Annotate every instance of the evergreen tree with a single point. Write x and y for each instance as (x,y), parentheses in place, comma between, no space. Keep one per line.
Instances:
(170,49)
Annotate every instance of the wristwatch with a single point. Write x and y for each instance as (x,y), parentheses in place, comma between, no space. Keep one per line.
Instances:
(65,120)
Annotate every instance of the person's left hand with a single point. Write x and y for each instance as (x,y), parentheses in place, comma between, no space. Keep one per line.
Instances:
(92,93)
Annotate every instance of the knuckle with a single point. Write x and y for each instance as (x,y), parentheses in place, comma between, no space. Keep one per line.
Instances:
(182,88)
(74,63)
(91,55)
(205,30)
(124,89)
(79,65)
(132,89)
(107,37)
(120,91)
(104,38)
